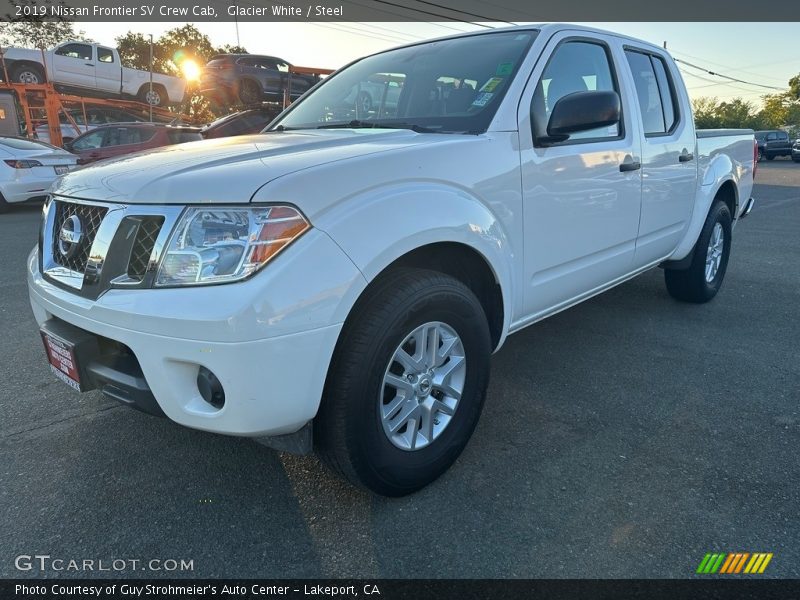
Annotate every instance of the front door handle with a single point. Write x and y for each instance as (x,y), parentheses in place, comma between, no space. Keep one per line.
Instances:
(89,64)
(686,157)
(630,166)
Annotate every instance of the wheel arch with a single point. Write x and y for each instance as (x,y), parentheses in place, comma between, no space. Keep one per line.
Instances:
(462,262)
(13,65)
(725,189)
(145,87)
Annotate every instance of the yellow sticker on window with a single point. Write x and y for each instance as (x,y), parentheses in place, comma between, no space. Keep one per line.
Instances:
(490,85)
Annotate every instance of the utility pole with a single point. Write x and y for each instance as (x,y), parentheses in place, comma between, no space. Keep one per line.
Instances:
(150,95)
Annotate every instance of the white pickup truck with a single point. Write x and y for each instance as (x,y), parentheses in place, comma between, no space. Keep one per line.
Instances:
(86,66)
(340,282)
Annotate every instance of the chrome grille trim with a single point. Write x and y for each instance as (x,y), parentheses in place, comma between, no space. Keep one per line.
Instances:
(111,250)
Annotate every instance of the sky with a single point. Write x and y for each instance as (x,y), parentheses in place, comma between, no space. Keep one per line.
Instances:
(734,49)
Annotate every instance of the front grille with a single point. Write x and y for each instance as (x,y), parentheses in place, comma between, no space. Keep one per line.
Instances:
(90,218)
(143,245)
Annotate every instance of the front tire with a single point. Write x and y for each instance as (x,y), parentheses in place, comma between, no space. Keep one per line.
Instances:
(407,382)
(702,280)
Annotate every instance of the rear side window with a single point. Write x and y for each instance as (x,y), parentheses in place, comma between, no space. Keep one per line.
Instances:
(137,135)
(654,91)
(105,55)
(181,137)
(783,136)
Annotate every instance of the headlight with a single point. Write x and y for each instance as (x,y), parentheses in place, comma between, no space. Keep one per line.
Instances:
(221,244)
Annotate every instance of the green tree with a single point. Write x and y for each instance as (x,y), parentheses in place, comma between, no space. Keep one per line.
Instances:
(170,51)
(34,31)
(705,113)
(736,113)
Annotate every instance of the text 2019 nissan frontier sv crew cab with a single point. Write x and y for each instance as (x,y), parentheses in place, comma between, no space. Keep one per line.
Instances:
(341,280)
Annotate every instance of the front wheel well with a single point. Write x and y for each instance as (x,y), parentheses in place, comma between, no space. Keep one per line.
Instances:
(468,266)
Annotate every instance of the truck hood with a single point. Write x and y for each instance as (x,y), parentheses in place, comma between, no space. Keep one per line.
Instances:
(226,170)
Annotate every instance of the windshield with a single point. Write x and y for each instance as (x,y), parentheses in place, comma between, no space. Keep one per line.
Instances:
(446,86)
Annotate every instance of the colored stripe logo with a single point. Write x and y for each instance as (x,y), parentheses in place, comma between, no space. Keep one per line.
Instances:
(734,562)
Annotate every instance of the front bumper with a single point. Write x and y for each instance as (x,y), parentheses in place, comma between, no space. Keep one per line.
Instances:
(270,353)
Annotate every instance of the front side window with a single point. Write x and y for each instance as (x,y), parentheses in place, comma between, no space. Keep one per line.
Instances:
(575,66)
(81,51)
(90,141)
(447,86)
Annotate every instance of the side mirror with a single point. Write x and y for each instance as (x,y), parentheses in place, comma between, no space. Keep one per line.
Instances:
(582,111)
(68,146)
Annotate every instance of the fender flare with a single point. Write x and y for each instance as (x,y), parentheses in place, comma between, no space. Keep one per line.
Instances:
(451,215)
(719,172)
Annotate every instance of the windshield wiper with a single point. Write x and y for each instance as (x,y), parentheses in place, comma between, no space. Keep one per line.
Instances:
(356,124)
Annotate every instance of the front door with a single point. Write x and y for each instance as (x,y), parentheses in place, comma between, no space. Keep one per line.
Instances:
(581,210)
(73,64)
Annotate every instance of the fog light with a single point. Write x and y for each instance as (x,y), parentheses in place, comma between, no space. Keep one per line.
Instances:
(210,388)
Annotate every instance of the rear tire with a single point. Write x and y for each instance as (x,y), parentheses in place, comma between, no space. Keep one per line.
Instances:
(4,206)
(28,74)
(379,424)
(702,280)
(156,97)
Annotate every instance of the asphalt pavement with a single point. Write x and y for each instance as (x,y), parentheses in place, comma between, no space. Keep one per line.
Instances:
(625,437)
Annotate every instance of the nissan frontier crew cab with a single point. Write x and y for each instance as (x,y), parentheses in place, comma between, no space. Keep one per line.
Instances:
(340,281)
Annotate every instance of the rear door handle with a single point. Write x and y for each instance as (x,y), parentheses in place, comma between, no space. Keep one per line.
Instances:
(686,157)
(89,64)
(630,166)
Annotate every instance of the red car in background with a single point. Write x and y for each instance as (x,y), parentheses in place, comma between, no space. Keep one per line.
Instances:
(108,141)
(241,123)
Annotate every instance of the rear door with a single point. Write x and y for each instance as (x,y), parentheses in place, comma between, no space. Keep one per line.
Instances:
(581,211)
(669,167)
(74,64)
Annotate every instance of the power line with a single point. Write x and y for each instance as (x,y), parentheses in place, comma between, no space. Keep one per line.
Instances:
(464,12)
(710,72)
(723,83)
(397,14)
(426,12)
(727,67)
(377,36)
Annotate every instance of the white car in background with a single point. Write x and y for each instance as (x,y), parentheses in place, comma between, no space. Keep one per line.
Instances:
(28,168)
